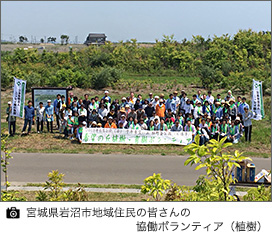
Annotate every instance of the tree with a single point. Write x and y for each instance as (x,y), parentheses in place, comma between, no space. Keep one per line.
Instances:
(51,39)
(64,39)
(22,39)
(218,164)
(42,40)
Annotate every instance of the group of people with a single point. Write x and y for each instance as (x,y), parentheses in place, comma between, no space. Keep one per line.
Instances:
(203,114)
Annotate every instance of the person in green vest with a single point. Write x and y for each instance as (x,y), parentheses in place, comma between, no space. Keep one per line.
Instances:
(218,98)
(70,125)
(76,122)
(215,131)
(233,111)
(224,129)
(238,101)
(151,125)
(234,133)
(134,125)
(80,131)
(170,122)
(162,126)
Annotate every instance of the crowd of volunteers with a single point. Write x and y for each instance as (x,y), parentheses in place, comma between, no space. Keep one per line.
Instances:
(210,117)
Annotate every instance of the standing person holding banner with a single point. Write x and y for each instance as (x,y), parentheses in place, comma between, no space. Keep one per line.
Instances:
(29,117)
(247,116)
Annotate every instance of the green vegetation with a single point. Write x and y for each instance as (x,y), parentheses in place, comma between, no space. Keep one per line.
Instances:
(214,186)
(220,62)
(5,156)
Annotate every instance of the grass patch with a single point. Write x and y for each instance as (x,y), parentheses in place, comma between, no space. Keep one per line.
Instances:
(93,196)
(112,186)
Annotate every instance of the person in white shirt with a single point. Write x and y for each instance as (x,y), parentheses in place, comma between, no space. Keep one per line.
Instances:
(198,110)
(177,100)
(155,101)
(210,98)
(102,112)
(40,117)
(188,107)
(142,124)
(82,113)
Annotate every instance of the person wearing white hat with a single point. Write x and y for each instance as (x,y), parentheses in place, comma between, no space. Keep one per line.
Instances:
(11,120)
(150,99)
(155,101)
(160,109)
(94,124)
(49,111)
(40,117)
(107,96)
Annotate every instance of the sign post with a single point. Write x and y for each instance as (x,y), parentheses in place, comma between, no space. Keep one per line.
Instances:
(257,101)
(18,98)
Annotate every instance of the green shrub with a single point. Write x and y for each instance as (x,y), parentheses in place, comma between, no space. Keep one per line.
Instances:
(106,77)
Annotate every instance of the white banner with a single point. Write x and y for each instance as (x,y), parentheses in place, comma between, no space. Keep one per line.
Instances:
(18,98)
(128,136)
(257,101)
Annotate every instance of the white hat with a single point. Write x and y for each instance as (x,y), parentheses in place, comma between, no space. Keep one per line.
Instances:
(9,102)
(106,91)
(237,118)
(106,98)
(94,123)
(48,100)
(157,97)
(84,123)
(123,115)
(161,100)
(110,117)
(123,98)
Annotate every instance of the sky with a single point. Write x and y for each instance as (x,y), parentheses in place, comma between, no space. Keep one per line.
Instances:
(124,20)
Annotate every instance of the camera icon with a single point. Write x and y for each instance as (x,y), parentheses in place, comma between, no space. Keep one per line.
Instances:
(13,213)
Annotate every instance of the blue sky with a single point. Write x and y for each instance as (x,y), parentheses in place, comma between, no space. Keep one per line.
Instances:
(145,21)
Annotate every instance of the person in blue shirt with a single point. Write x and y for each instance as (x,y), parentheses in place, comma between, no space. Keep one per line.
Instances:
(171,104)
(49,111)
(107,96)
(242,105)
(29,117)
(217,111)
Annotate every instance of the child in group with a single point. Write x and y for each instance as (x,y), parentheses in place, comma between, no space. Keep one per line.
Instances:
(80,131)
